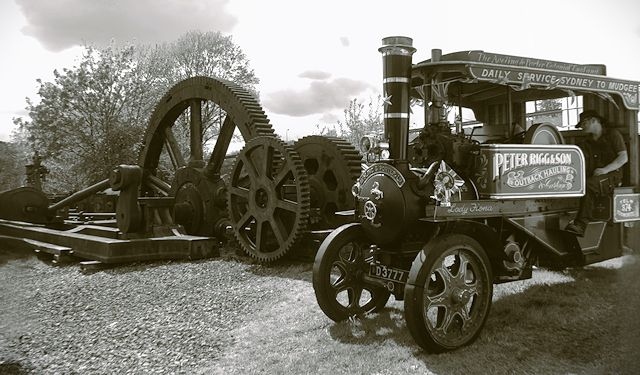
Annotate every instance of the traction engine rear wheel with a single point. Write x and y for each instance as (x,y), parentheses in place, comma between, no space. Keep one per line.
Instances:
(341,262)
(448,294)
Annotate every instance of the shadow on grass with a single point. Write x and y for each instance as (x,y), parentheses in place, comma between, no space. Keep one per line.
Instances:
(12,249)
(589,325)
(13,368)
(376,328)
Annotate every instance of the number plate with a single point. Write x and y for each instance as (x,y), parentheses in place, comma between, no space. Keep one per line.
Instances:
(380,271)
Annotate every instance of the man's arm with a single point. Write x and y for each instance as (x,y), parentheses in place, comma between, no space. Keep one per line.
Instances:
(618,162)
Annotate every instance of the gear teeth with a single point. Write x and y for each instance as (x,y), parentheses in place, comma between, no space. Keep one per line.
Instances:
(236,101)
(345,163)
(237,210)
(231,97)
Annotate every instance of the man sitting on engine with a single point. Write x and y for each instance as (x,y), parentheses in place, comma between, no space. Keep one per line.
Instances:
(605,153)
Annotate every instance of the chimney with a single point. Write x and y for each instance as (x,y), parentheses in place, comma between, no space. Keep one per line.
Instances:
(396,79)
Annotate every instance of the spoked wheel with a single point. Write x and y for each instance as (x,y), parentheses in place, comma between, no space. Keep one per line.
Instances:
(192,177)
(333,166)
(448,294)
(341,262)
(268,198)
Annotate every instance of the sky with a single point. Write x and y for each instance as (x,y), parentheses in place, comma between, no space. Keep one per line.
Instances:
(312,57)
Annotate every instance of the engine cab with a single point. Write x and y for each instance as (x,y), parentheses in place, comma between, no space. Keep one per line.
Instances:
(445,172)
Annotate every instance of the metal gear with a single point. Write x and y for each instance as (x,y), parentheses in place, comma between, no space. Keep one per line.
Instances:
(333,166)
(268,199)
(199,191)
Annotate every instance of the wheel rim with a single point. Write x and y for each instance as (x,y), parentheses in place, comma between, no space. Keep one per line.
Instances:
(455,302)
(268,198)
(338,275)
(345,279)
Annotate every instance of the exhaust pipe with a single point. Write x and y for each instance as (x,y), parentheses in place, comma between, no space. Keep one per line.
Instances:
(396,80)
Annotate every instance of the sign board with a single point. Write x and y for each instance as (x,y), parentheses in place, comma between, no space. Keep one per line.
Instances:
(507,171)
(525,77)
(530,62)
(626,207)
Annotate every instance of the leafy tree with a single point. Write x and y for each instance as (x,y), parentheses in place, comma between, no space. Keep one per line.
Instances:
(92,116)
(89,118)
(361,120)
(12,166)
(199,54)
(548,110)
(326,130)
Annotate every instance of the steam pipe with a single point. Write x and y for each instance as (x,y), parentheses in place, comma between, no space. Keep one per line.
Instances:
(396,79)
(80,195)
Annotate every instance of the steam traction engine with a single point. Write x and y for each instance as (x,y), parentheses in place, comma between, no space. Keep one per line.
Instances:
(443,215)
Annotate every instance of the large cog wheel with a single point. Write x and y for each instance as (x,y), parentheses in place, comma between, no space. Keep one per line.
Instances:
(333,166)
(195,182)
(268,198)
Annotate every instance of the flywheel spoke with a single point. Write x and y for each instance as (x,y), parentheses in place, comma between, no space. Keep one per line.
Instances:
(279,230)
(173,149)
(281,177)
(259,232)
(288,205)
(267,161)
(249,167)
(196,130)
(239,191)
(222,145)
(245,219)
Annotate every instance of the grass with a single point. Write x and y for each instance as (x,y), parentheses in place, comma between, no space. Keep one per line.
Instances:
(575,321)
(578,321)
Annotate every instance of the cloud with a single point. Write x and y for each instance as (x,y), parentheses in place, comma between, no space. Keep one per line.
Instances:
(329,118)
(319,97)
(62,24)
(345,41)
(315,74)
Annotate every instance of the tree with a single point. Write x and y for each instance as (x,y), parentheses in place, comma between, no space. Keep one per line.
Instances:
(12,166)
(548,110)
(92,116)
(88,119)
(326,130)
(199,54)
(358,123)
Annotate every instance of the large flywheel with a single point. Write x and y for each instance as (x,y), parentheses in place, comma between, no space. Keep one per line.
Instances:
(333,166)
(268,198)
(194,181)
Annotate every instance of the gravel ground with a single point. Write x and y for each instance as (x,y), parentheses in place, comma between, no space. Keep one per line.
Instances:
(229,316)
(169,317)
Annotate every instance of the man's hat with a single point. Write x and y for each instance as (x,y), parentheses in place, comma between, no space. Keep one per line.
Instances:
(590,113)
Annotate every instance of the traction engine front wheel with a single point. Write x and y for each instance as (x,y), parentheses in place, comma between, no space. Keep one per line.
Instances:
(342,260)
(448,294)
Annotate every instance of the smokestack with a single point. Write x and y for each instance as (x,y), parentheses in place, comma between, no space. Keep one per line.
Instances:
(396,79)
